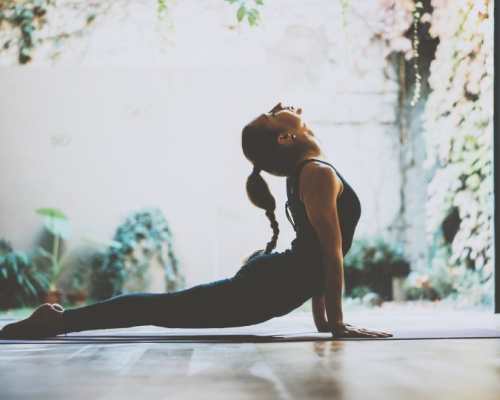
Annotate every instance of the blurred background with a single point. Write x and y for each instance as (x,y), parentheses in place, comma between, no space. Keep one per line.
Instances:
(121,167)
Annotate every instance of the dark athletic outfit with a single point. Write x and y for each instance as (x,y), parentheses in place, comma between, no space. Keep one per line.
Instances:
(267,286)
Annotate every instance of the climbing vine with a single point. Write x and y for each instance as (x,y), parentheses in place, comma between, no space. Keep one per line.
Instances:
(166,25)
(458,132)
(248,9)
(27,16)
(35,22)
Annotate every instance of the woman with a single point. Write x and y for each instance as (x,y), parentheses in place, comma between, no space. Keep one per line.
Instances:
(325,212)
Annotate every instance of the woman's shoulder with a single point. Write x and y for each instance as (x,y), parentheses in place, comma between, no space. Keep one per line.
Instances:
(320,175)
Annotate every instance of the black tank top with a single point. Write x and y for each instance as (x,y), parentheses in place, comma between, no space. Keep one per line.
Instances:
(306,241)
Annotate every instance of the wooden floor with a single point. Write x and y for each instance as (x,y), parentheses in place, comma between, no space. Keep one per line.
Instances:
(362,370)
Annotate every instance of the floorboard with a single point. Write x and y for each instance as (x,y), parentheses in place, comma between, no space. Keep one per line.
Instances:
(352,370)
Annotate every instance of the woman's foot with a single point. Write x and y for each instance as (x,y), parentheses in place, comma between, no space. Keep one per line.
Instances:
(45,321)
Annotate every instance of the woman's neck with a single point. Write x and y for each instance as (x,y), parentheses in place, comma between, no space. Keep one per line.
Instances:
(319,154)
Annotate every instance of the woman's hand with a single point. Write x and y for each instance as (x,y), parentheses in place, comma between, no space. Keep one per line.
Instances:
(350,331)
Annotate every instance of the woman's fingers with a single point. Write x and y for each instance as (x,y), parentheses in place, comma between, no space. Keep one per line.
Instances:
(352,331)
(376,332)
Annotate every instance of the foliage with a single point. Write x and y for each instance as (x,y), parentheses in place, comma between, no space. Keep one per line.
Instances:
(166,24)
(21,280)
(28,16)
(57,223)
(145,230)
(360,291)
(458,286)
(370,265)
(31,19)
(373,251)
(458,132)
(248,9)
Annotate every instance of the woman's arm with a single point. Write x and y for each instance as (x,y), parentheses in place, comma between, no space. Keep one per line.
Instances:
(319,314)
(320,187)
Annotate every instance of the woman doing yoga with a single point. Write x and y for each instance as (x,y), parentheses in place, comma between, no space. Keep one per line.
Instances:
(323,209)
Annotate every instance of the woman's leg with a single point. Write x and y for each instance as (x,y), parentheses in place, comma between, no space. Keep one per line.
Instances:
(223,303)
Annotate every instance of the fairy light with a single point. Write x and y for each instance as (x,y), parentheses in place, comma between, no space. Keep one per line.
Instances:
(418,79)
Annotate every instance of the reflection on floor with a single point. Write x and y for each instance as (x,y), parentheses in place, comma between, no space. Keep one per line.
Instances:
(365,370)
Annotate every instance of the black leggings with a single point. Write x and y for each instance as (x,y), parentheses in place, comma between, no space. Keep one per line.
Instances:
(267,286)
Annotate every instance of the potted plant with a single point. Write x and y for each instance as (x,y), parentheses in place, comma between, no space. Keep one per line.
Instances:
(144,239)
(376,263)
(20,279)
(78,294)
(58,224)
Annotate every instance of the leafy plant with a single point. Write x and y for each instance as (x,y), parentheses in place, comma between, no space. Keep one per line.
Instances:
(147,231)
(248,9)
(458,132)
(58,224)
(360,290)
(20,279)
(27,16)
(165,20)
(370,264)
(30,18)
(373,250)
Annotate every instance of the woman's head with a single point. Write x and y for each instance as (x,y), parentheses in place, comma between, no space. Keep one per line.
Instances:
(274,142)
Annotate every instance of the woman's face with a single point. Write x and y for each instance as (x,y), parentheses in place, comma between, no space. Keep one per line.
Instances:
(281,118)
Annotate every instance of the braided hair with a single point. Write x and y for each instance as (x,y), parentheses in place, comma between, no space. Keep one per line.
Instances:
(260,147)
(259,194)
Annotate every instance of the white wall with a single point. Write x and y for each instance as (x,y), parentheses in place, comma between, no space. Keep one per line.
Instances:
(145,128)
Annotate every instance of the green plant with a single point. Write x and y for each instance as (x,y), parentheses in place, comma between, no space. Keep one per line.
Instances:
(20,279)
(57,223)
(458,133)
(28,16)
(248,9)
(360,291)
(165,20)
(373,250)
(145,230)
(370,265)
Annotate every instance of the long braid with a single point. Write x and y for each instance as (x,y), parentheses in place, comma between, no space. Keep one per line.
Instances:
(259,194)
(276,231)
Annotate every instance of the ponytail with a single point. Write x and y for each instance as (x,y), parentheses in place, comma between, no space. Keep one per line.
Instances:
(259,194)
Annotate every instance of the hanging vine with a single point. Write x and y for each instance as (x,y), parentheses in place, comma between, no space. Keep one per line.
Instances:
(166,23)
(248,9)
(27,16)
(30,25)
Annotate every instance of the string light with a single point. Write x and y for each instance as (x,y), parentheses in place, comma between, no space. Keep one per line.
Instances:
(418,79)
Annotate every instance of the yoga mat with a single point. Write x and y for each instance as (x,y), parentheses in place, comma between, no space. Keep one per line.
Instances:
(254,337)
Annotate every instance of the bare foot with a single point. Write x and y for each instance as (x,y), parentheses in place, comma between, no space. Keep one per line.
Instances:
(45,321)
